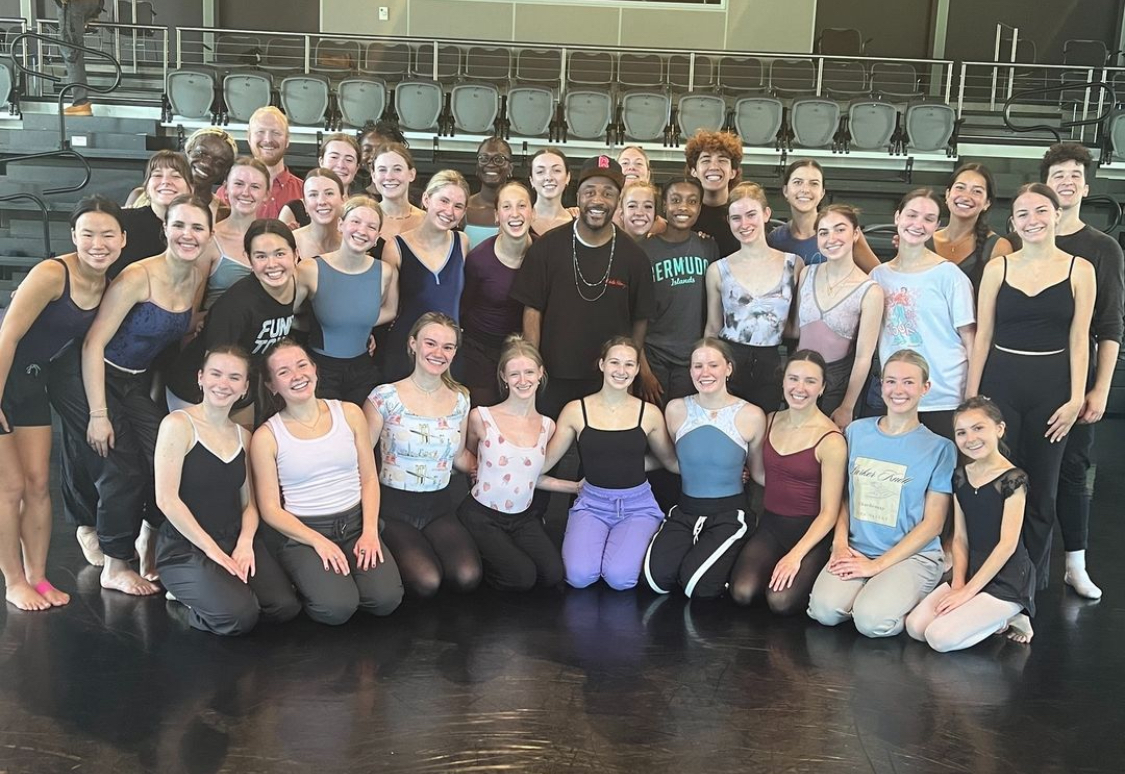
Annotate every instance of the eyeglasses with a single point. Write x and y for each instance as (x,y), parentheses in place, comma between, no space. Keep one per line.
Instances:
(497,160)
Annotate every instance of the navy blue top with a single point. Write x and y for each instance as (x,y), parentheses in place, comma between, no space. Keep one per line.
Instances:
(143,334)
(1039,323)
(60,322)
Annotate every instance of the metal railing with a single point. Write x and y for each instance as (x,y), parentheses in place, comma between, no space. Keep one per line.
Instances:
(130,44)
(298,53)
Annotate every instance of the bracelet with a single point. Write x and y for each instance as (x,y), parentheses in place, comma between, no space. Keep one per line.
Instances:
(102,412)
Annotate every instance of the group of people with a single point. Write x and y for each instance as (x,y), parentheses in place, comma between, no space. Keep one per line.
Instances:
(331,353)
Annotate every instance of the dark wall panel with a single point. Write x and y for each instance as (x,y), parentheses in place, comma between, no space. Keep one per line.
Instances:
(901,32)
(972,25)
(274,16)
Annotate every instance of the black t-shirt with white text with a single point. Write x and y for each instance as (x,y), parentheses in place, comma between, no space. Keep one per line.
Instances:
(580,311)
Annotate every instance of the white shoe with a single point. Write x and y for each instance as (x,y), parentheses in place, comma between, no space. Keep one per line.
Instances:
(1080,581)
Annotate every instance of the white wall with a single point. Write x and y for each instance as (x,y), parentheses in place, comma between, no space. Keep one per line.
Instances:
(745,25)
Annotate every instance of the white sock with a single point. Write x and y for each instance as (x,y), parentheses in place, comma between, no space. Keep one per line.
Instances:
(1077,578)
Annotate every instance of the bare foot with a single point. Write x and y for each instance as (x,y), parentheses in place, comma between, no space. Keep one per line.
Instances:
(1019,629)
(117,575)
(26,598)
(88,542)
(48,591)
(146,551)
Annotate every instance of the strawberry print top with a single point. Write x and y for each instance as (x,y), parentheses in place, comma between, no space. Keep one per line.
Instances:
(416,453)
(506,473)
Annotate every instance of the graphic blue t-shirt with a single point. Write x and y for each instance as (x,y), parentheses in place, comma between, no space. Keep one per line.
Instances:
(888,477)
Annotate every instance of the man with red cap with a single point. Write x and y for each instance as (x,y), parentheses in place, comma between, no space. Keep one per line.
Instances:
(582,284)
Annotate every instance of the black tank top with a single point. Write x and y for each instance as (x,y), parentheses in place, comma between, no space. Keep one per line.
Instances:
(1039,323)
(613,459)
(212,490)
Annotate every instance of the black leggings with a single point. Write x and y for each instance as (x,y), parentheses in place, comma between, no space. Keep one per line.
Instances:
(757,375)
(80,464)
(428,541)
(514,547)
(774,538)
(1028,389)
(1073,501)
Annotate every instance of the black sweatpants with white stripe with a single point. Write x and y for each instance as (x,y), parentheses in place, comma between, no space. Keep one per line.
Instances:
(697,545)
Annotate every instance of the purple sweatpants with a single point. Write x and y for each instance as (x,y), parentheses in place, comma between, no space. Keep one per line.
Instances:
(607,534)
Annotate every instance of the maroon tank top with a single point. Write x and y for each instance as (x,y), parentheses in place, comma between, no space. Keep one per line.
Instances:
(792,480)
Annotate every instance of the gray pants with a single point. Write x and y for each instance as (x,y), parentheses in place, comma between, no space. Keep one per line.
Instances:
(219,602)
(878,605)
(73,18)
(328,597)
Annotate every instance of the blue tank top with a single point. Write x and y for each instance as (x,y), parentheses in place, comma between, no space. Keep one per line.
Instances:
(144,333)
(1039,323)
(225,273)
(60,322)
(345,309)
(478,234)
(711,451)
(421,290)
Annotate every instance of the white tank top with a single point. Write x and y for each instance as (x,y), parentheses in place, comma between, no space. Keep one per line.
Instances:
(506,473)
(318,476)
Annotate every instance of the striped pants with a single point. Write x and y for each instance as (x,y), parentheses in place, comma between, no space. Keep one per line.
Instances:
(696,546)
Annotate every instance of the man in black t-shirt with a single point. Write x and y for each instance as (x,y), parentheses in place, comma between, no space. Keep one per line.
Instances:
(582,285)
(715,160)
(1064,169)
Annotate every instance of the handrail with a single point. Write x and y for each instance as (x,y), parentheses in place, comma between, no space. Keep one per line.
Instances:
(1105,89)
(1114,207)
(64,143)
(44,214)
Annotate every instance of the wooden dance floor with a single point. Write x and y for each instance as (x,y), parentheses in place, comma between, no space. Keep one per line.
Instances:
(574,681)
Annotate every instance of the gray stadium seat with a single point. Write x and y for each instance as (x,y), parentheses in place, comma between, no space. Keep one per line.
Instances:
(448,62)
(814,121)
(6,79)
(588,105)
(475,107)
(646,107)
(336,57)
(844,79)
(284,55)
(235,49)
(1117,136)
(532,104)
(792,77)
(419,104)
(679,71)
(305,98)
(390,62)
(475,102)
(244,91)
(894,81)
(871,124)
(191,92)
(758,119)
(361,100)
(930,126)
(741,75)
(697,111)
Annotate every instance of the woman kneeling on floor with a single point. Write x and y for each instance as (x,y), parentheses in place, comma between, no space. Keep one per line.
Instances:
(208,551)
(886,555)
(316,484)
(510,440)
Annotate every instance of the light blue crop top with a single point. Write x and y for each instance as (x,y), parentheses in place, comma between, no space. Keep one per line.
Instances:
(711,451)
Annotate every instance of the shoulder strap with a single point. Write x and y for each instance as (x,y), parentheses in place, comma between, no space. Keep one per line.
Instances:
(194,429)
(1071,271)
(582,403)
(641,416)
(1005,277)
(830,432)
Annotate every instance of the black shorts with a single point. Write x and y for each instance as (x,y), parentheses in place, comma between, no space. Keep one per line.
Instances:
(25,401)
(349,379)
